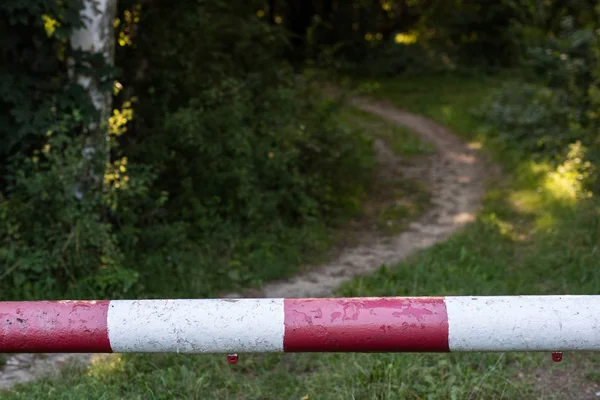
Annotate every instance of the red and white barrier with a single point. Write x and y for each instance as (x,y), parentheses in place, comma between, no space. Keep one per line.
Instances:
(394,324)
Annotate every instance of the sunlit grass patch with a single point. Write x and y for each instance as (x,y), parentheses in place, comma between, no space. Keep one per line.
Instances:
(105,366)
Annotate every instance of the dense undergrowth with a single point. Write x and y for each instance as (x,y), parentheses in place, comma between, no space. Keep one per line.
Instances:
(223,166)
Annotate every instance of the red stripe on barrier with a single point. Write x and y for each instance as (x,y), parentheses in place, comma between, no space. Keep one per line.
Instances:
(366,325)
(54,326)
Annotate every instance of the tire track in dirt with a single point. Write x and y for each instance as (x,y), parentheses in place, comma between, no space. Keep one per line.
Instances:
(455,176)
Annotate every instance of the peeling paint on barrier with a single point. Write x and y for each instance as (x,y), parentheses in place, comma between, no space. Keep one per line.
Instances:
(54,327)
(390,324)
(366,325)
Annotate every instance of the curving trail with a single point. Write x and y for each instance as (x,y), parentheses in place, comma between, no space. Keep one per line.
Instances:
(455,176)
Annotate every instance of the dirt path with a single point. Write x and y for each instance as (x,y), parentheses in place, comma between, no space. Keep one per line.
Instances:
(455,177)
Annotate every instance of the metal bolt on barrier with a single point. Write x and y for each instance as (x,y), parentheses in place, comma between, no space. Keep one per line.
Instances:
(370,324)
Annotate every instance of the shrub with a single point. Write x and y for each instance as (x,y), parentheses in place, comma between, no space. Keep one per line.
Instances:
(217,155)
(246,138)
(55,242)
(535,116)
(557,113)
(57,239)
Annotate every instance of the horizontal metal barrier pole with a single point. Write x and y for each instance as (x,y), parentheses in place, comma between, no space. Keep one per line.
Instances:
(387,324)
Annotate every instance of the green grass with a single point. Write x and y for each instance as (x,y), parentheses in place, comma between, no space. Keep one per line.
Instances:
(401,140)
(529,239)
(229,262)
(407,200)
(397,200)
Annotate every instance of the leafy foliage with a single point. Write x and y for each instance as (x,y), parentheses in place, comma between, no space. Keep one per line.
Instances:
(537,117)
(216,148)
(52,239)
(34,88)
(558,110)
(55,236)
(367,37)
(242,149)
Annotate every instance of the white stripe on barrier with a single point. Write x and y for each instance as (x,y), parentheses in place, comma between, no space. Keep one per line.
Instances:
(406,324)
(218,326)
(521,323)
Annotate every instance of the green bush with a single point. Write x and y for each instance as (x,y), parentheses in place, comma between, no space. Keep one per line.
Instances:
(535,116)
(56,241)
(247,140)
(557,112)
(565,62)
(222,167)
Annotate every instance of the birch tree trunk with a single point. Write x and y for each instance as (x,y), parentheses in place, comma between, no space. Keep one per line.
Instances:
(96,37)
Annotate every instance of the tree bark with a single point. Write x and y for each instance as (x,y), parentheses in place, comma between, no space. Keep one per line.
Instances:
(96,37)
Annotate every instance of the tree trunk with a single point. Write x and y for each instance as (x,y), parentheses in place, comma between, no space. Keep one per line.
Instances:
(96,37)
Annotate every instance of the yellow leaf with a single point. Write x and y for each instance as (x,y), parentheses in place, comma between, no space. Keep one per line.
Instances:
(50,24)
